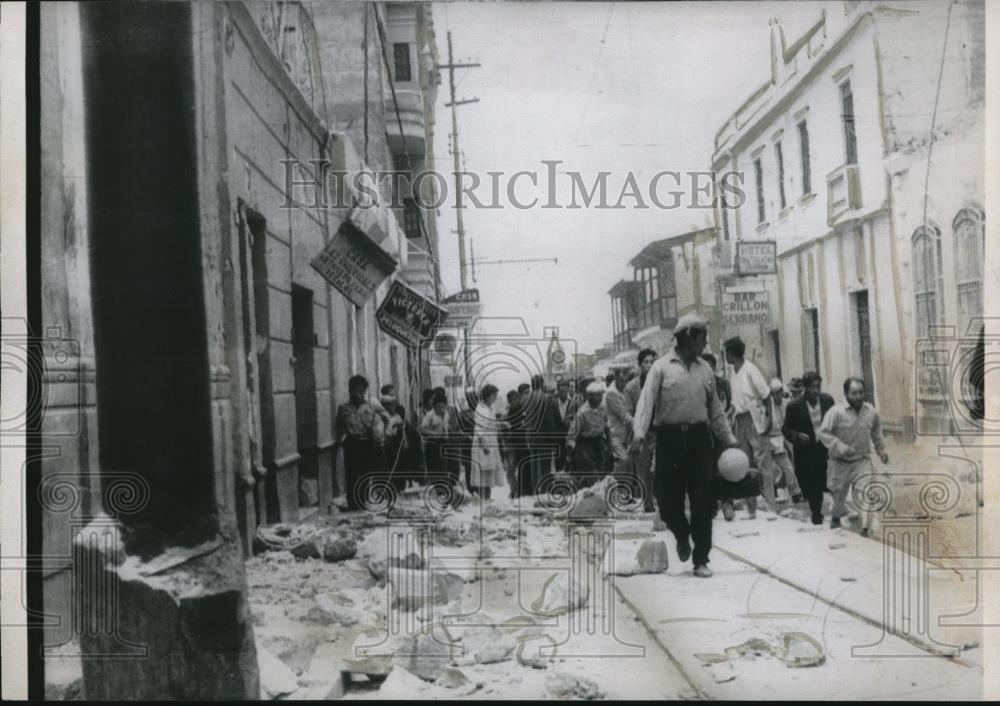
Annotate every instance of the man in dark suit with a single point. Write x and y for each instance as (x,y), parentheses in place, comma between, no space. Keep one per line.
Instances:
(566,407)
(544,434)
(802,420)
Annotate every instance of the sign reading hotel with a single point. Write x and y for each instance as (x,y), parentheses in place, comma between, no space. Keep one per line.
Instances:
(406,315)
(462,307)
(756,257)
(353,264)
(740,308)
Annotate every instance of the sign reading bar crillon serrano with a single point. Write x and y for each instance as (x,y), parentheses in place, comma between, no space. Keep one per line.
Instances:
(406,315)
(741,308)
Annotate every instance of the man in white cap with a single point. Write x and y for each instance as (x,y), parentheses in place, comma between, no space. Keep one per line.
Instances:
(587,439)
(775,461)
(680,387)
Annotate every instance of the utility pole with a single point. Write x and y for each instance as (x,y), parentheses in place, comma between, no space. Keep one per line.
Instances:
(451,66)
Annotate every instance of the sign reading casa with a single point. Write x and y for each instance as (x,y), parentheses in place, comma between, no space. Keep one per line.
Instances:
(742,308)
(462,307)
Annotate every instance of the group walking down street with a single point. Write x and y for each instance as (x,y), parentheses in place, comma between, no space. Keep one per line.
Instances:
(660,426)
(538,350)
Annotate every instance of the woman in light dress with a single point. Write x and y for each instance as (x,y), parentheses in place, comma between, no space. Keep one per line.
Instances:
(487,467)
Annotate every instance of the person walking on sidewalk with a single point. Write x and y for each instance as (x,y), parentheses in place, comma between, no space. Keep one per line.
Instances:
(544,433)
(567,409)
(849,432)
(487,466)
(587,440)
(750,391)
(619,419)
(803,417)
(776,463)
(680,388)
(360,432)
(640,465)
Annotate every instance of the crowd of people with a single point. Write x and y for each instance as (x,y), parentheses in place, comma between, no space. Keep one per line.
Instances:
(660,426)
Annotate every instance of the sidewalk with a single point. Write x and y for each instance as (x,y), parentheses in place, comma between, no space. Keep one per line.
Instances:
(810,574)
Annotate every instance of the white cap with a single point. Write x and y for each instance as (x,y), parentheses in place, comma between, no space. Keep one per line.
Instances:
(690,320)
(776,385)
(595,388)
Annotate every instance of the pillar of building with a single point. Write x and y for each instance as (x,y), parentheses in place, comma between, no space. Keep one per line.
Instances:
(170,564)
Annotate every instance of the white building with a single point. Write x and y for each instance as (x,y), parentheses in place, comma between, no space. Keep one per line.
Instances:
(872,248)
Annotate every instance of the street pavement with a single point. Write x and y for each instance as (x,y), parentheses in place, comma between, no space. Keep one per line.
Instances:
(793,611)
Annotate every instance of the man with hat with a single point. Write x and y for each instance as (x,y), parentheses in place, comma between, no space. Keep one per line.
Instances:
(619,418)
(680,388)
(795,388)
(587,438)
(750,392)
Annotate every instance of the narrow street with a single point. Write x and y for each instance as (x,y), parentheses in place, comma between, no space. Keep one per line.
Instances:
(475,607)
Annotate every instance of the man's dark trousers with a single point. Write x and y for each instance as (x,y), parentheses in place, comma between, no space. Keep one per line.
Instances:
(685,463)
(811,473)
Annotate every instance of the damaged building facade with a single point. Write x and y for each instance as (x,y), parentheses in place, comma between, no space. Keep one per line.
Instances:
(860,157)
(194,356)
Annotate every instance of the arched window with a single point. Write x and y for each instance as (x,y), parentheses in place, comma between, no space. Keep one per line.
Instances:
(970,237)
(927,278)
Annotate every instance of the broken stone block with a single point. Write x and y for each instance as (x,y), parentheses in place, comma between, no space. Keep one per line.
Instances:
(562,593)
(402,685)
(319,689)
(330,545)
(379,565)
(589,507)
(427,655)
(276,678)
(452,678)
(564,686)
(342,607)
(485,645)
(637,556)
(412,589)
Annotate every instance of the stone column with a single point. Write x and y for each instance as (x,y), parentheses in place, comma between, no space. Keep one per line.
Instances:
(172,565)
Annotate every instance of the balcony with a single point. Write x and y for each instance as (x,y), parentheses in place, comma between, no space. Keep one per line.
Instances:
(843,186)
(413,141)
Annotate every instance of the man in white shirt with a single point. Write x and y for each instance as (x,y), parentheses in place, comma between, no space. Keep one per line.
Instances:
(776,461)
(849,433)
(750,391)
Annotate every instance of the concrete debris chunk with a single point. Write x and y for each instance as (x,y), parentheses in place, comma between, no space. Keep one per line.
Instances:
(564,686)
(412,589)
(635,556)
(562,593)
(276,678)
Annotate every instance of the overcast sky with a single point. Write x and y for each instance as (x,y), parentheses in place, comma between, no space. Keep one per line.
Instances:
(614,87)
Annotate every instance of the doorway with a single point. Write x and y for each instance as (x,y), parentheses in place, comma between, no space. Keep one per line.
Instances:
(303,340)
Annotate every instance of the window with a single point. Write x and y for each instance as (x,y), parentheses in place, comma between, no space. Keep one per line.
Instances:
(724,215)
(927,278)
(411,219)
(810,339)
(401,56)
(969,245)
(804,147)
(759,178)
(847,116)
(780,159)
